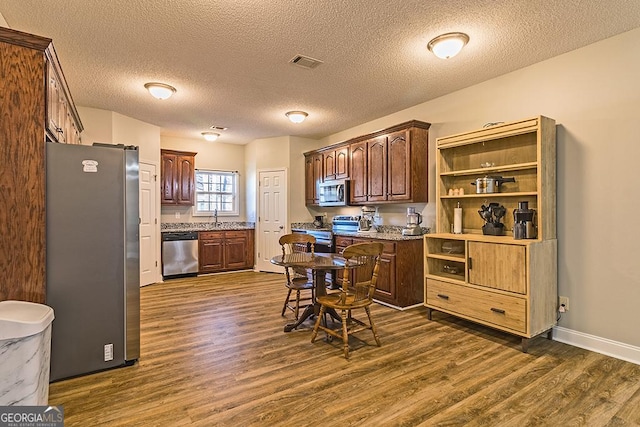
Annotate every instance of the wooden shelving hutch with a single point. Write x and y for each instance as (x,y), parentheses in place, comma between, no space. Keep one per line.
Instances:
(497,281)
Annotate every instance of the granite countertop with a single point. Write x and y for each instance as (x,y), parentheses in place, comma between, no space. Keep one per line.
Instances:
(171,227)
(386,232)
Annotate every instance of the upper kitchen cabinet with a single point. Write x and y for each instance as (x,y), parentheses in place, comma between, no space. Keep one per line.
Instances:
(63,123)
(390,166)
(387,166)
(336,163)
(26,63)
(177,171)
(313,169)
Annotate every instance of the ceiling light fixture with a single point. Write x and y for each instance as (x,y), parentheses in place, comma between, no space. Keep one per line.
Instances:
(448,45)
(160,90)
(210,136)
(296,116)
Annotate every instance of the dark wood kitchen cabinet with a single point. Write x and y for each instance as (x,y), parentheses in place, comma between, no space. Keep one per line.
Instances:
(391,166)
(400,282)
(336,163)
(27,64)
(313,169)
(177,174)
(225,250)
(387,166)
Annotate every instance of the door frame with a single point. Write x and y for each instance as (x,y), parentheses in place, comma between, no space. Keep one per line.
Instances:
(258,228)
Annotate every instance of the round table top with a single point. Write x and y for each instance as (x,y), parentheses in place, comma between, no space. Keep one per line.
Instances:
(320,261)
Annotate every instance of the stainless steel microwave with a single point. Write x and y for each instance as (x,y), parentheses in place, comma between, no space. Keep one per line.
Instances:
(334,193)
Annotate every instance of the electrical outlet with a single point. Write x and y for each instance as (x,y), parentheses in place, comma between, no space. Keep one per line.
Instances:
(177,215)
(108,352)
(563,303)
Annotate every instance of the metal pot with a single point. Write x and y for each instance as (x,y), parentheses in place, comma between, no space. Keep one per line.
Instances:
(490,184)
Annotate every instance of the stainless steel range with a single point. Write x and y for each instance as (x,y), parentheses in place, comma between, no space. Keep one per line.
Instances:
(345,223)
(324,240)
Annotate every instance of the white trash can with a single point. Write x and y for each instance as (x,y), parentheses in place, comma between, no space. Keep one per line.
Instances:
(25,353)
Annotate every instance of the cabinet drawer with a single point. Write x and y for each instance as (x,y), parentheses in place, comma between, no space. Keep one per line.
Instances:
(206,235)
(235,234)
(387,246)
(343,241)
(501,310)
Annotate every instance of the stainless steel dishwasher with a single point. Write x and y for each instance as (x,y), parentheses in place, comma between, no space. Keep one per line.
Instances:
(179,253)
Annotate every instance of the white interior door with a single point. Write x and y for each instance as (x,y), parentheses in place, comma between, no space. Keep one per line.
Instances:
(272,217)
(149,261)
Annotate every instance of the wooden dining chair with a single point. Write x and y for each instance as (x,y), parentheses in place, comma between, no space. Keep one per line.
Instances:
(352,296)
(298,279)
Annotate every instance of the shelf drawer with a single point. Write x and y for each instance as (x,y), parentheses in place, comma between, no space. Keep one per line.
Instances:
(497,309)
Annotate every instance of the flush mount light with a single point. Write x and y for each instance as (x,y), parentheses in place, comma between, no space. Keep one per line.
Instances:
(448,45)
(210,136)
(160,90)
(296,116)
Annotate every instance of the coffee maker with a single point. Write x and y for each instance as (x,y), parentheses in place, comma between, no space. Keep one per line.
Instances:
(523,226)
(414,220)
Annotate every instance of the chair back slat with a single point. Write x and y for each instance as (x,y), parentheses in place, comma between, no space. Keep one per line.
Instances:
(297,243)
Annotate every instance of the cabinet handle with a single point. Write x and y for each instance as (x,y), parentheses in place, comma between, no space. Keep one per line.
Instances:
(443,296)
(497,310)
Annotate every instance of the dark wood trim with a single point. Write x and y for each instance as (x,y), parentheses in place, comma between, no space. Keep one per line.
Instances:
(401,126)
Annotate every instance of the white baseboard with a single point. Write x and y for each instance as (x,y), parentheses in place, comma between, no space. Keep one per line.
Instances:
(605,346)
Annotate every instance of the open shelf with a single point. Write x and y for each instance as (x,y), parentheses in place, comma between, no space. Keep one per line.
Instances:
(493,169)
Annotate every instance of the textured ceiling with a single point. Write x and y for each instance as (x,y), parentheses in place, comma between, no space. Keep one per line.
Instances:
(229,59)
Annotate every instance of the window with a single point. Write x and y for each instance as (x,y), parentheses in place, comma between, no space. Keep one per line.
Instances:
(216,190)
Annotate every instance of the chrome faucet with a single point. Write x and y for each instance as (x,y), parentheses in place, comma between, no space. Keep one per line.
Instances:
(215,217)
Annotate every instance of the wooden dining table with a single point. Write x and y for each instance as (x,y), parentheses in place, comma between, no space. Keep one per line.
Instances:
(319,264)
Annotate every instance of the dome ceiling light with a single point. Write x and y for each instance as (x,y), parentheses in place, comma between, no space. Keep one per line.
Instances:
(210,136)
(296,116)
(448,45)
(160,90)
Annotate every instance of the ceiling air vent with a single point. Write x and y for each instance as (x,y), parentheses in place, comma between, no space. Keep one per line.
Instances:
(305,62)
(214,127)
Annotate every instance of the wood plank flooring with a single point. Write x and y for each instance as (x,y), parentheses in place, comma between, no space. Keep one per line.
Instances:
(214,354)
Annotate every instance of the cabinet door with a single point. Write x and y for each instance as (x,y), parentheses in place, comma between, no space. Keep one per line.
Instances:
(498,266)
(309,181)
(399,163)
(185,180)
(169,177)
(377,169)
(386,286)
(53,103)
(211,254)
(329,162)
(358,173)
(235,250)
(342,163)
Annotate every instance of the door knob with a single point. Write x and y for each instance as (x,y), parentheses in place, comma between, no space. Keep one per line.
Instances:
(281,227)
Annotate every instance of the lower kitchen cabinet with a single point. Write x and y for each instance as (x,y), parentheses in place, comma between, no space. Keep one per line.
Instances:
(400,280)
(225,250)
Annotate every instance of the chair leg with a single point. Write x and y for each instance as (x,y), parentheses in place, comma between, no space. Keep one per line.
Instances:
(314,334)
(286,301)
(345,334)
(373,328)
(297,310)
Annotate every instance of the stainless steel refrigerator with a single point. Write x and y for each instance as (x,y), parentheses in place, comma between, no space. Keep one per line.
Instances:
(93,257)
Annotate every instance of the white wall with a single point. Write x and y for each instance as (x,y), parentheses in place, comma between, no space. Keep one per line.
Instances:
(593,93)
(211,155)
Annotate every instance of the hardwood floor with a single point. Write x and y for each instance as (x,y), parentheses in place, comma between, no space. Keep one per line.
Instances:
(214,354)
